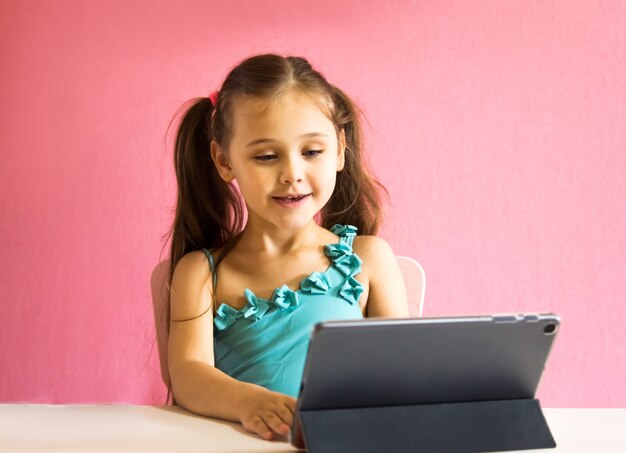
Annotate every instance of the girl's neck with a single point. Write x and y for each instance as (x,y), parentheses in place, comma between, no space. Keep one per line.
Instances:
(273,241)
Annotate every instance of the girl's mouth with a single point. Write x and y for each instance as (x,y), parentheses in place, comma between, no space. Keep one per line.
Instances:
(291,202)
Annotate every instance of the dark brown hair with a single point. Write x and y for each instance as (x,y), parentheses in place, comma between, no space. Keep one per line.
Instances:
(209,211)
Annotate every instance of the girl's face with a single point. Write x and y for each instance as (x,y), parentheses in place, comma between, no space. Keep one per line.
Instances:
(280,151)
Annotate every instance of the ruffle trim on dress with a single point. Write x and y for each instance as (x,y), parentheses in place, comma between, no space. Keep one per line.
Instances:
(256,307)
(342,258)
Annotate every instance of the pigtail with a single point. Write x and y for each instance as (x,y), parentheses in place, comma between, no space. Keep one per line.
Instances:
(208,210)
(356,199)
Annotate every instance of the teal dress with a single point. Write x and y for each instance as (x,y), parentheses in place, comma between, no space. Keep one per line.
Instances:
(266,342)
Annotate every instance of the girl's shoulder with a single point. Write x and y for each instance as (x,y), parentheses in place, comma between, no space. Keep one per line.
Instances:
(374,251)
(190,289)
(192,263)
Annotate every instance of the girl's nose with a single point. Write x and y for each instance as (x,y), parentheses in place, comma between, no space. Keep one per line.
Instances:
(291,172)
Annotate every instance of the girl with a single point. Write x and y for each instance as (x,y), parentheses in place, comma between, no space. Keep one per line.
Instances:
(248,284)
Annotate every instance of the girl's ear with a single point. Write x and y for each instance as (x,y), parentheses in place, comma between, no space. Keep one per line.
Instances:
(221,162)
(341,150)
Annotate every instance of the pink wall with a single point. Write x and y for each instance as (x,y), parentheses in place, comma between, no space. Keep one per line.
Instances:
(498,128)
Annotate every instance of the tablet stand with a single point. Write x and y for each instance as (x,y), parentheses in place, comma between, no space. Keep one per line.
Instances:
(482,426)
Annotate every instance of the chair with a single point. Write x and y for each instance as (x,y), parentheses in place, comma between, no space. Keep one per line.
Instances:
(158,281)
(412,272)
(415,282)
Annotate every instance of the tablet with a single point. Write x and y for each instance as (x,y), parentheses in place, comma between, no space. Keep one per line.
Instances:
(390,362)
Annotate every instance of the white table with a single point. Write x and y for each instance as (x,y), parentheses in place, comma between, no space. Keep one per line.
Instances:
(119,428)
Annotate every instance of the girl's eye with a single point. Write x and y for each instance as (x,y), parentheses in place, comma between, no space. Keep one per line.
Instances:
(265,157)
(313,152)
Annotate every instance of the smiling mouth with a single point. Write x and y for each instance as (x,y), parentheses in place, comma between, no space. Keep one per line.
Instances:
(292,199)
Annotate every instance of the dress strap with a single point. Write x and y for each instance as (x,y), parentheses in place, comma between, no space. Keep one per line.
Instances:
(346,233)
(211,265)
(346,240)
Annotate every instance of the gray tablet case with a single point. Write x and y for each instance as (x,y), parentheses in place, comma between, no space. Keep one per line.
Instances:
(431,384)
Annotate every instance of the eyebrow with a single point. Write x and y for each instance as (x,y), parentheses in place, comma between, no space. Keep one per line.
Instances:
(270,140)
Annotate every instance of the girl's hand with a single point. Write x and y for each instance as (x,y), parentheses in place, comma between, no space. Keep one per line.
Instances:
(266,413)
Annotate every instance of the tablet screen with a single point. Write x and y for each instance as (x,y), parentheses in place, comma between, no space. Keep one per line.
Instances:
(378,362)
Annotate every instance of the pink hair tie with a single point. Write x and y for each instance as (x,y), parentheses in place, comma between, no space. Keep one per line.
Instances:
(213,97)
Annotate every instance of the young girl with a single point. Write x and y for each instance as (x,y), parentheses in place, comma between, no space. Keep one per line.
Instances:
(248,284)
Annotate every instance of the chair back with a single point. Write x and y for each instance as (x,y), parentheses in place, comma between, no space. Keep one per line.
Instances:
(415,282)
(158,282)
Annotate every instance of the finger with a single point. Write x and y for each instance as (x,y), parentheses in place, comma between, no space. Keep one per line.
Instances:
(258,426)
(285,415)
(276,424)
(291,404)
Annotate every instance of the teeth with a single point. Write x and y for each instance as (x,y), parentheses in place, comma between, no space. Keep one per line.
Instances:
(295,198)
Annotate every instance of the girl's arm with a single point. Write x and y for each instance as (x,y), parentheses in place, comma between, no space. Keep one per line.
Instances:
(387,293)
(196,384)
